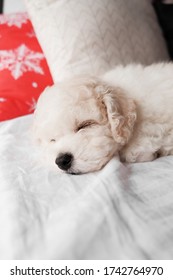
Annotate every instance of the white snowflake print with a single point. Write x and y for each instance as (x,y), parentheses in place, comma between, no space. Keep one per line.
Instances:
(21,60)
(14,19)
(32,105)
(31,34)
(2,99)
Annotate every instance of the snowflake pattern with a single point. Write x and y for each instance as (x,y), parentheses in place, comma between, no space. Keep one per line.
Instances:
(21,60)
(14,19)
(31,34)
(2,99)
(32,105)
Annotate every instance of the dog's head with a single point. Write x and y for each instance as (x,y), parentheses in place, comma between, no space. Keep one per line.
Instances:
(83,123)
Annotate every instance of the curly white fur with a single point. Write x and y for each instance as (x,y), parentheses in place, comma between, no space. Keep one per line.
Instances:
(128,110)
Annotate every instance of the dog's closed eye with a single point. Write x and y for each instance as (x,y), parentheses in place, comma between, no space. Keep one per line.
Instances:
(85,124)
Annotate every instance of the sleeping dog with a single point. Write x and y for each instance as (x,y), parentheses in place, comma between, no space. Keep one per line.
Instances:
(82,122)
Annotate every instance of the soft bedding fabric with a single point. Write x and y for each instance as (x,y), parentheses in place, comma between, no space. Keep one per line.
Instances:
(120,212)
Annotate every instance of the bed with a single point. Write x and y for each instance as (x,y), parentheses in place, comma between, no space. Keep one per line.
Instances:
(124,211)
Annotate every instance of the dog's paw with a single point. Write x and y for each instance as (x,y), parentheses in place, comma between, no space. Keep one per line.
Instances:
(137,156)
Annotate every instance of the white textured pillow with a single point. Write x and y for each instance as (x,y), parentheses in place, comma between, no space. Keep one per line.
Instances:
(92,36)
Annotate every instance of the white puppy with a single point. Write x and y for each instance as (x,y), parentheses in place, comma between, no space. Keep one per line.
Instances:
(83,122)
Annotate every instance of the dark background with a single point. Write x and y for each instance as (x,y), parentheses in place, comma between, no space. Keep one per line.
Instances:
(1,5)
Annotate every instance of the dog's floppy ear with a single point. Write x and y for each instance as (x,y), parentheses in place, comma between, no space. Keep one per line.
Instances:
(121,112)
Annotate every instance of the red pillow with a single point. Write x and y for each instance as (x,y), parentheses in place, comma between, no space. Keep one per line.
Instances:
(24,72)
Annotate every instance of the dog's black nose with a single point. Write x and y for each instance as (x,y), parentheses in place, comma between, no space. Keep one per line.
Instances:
(64,161)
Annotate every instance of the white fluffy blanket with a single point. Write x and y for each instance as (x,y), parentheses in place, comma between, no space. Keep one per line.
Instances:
(121,212)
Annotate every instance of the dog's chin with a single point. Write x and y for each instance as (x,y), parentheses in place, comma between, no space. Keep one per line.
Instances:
(74,173)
